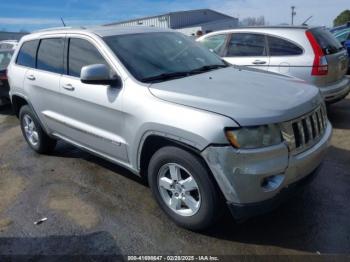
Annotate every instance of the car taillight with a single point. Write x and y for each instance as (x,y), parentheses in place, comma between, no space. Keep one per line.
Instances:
(3,75)
(320,66)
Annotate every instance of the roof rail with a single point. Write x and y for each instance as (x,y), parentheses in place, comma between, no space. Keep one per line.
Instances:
(58,28)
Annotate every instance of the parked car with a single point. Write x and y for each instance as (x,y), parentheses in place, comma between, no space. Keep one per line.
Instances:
(8,44)
(5,58)
(340,28)
(311,54)
(154,101)
(343,37)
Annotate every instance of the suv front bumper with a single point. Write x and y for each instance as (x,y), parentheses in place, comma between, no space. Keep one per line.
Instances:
(251,180)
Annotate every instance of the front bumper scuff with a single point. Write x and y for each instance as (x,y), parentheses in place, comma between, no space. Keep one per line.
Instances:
(240,174)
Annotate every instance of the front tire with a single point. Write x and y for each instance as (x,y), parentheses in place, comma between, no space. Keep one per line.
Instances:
(32,131)
(182,186)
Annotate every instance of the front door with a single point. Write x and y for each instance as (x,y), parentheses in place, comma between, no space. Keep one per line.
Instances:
(93,113)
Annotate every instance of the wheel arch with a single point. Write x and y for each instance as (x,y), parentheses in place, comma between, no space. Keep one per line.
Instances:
(153,141)
(17,102)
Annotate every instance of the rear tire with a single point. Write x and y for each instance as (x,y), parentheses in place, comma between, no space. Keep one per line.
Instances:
(32,131)
(181,184)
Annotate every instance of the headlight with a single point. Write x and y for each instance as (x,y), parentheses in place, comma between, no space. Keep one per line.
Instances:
(254,137)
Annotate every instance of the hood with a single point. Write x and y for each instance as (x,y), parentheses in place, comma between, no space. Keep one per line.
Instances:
(250,97)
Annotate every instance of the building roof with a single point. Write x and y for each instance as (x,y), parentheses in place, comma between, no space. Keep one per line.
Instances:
(211,22)
(168,14)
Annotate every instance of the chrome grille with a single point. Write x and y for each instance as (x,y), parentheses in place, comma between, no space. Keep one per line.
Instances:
(302,133)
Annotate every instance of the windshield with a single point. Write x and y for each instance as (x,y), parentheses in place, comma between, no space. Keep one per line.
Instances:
(152,57)
(5,58)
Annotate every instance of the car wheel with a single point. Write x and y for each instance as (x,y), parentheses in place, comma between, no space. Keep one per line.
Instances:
(183,188)
(32,131)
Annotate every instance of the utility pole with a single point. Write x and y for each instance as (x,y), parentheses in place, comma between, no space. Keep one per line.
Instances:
(293,14)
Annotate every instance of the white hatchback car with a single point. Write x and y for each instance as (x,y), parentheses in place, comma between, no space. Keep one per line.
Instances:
(311,54)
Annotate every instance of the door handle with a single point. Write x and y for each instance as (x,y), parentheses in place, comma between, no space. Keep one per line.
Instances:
(31,77)
(259,62)
(69,87)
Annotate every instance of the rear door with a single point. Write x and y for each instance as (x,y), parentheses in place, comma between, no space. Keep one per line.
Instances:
(286,57)
(335,54)
(247,49)
(26,59)
(42,83)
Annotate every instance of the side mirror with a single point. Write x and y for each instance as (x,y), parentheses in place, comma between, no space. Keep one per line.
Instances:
(98,74)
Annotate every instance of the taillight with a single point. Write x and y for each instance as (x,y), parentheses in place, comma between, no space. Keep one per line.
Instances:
(320,66)
(3,75)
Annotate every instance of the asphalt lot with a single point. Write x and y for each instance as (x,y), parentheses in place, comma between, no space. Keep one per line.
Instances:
(94,207)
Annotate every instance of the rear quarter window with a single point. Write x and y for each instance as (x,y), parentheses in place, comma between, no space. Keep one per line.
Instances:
(281,47)
(27,53)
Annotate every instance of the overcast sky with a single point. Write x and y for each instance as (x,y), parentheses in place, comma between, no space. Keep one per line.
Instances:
(28,15)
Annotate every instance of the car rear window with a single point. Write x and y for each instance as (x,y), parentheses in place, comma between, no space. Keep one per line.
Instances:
(27,53)
(281,47)
(327,41)
(50,55)
(5,58)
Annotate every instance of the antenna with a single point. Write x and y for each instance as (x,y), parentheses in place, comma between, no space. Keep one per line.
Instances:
(63,22)
(305,22)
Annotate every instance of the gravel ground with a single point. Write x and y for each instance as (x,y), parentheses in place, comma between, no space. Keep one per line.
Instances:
(97,208)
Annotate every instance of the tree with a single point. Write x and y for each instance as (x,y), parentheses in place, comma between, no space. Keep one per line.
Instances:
(253,21)
(342,18)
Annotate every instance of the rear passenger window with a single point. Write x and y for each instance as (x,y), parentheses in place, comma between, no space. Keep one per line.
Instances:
(50,55)
(27,53)
(280,47)
(215,43)
(81,53)
(243,44)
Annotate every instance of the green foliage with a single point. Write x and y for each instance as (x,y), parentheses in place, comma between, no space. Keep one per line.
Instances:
(342,18)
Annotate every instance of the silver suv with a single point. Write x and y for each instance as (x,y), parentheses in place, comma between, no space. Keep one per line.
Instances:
(159,104)
(311,54)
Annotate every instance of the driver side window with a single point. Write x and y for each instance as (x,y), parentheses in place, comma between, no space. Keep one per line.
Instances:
(82,53)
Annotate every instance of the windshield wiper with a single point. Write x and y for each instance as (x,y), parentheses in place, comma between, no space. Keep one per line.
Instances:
(207,68)
(173,75)
(165,76)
